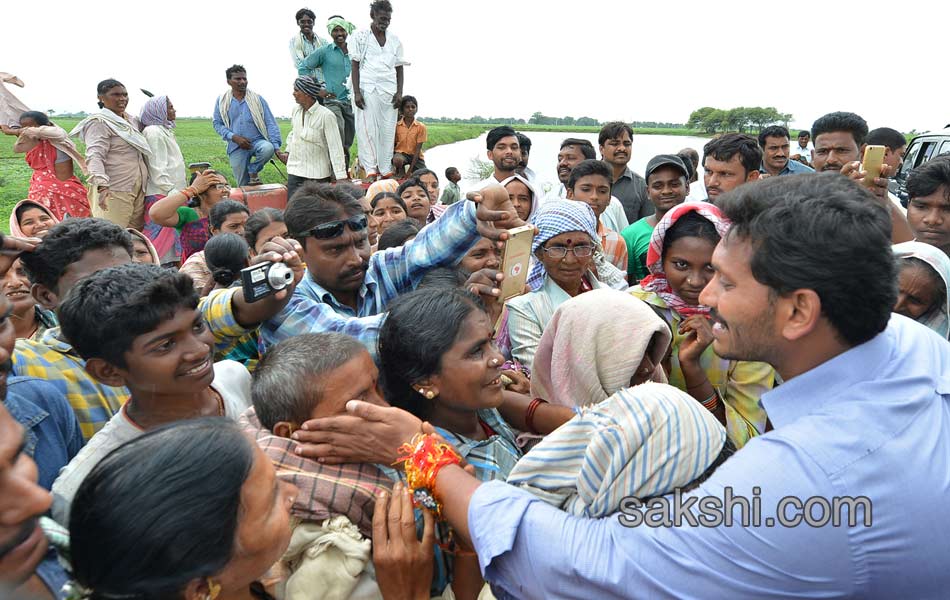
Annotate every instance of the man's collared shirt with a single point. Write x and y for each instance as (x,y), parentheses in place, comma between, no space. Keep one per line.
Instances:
(451,193)
(872,422)
(791,167)
(409,137)
(242,123)
(615,248)
(301,48)
(314,144)
(805,152)
(53,359)
(391,272)
(377,63)
(631,190)
(336,68)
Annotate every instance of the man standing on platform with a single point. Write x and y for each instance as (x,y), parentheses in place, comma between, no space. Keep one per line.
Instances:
(314,151)
(334,60)
(305,43)
(244,121)
(377,65)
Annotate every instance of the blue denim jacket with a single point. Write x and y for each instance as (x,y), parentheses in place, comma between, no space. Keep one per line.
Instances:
(53,437)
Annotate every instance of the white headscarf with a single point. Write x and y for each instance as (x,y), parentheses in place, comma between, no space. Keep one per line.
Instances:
(937,319)
(535,197)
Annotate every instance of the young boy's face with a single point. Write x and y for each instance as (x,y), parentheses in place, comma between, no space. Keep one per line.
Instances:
(666,188)
(455,177)
(594,190)
(356,379)
(177,357)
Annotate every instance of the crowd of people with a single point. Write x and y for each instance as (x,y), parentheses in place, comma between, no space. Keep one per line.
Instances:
(386,426)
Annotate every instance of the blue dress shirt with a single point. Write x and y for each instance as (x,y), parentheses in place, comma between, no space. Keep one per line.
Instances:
(873,421)
(242,123)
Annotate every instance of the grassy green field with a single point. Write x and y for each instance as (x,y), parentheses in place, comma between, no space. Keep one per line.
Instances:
(200,143)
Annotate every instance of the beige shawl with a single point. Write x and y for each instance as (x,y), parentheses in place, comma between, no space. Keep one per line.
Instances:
(593,345)
(253,104)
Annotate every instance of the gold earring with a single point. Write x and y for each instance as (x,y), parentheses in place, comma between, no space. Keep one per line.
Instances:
(214,589)
(430,394)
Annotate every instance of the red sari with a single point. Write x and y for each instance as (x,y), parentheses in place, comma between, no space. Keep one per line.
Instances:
(63,198)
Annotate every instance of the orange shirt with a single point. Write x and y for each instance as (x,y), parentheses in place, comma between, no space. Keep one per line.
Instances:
(407,138)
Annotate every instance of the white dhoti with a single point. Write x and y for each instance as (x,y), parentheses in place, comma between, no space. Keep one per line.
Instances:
(376,132)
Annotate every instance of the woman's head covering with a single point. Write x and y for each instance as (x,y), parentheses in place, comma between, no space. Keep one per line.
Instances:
(939,318)
(15,230)
(592,346)
(381,185)
(535,198)
(138,235)
(553,219)
(656,281)
(338,21)
(643,442)
(155,112)
(308,85)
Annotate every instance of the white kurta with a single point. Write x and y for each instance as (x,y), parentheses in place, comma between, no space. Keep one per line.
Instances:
(314,144)
(376,123)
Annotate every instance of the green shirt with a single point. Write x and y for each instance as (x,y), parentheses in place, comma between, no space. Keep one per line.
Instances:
(186,215)
(451,194)
(637,237)
(336,68)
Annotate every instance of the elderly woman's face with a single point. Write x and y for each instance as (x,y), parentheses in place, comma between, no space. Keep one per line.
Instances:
(263,526)
(469,377)
(483,255)
(560,260)
(917,292)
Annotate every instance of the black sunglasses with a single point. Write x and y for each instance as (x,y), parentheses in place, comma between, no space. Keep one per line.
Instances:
(335,228)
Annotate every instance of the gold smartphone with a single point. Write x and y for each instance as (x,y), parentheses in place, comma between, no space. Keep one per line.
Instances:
(872,163)
(516,261)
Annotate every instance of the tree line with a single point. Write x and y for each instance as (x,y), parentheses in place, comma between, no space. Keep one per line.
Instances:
(741,119)
(540,118)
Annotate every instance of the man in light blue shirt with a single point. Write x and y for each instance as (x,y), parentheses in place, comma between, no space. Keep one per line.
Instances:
(861,431)
(244,120)
(776,146)
(845,498)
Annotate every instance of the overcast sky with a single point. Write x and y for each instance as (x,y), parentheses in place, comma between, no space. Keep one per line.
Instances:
(648,61)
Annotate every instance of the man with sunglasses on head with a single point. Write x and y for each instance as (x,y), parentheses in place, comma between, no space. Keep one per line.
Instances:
(346,287)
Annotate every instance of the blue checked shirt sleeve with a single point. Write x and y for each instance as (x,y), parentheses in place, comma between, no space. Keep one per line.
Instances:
(440,244)
(305,315)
